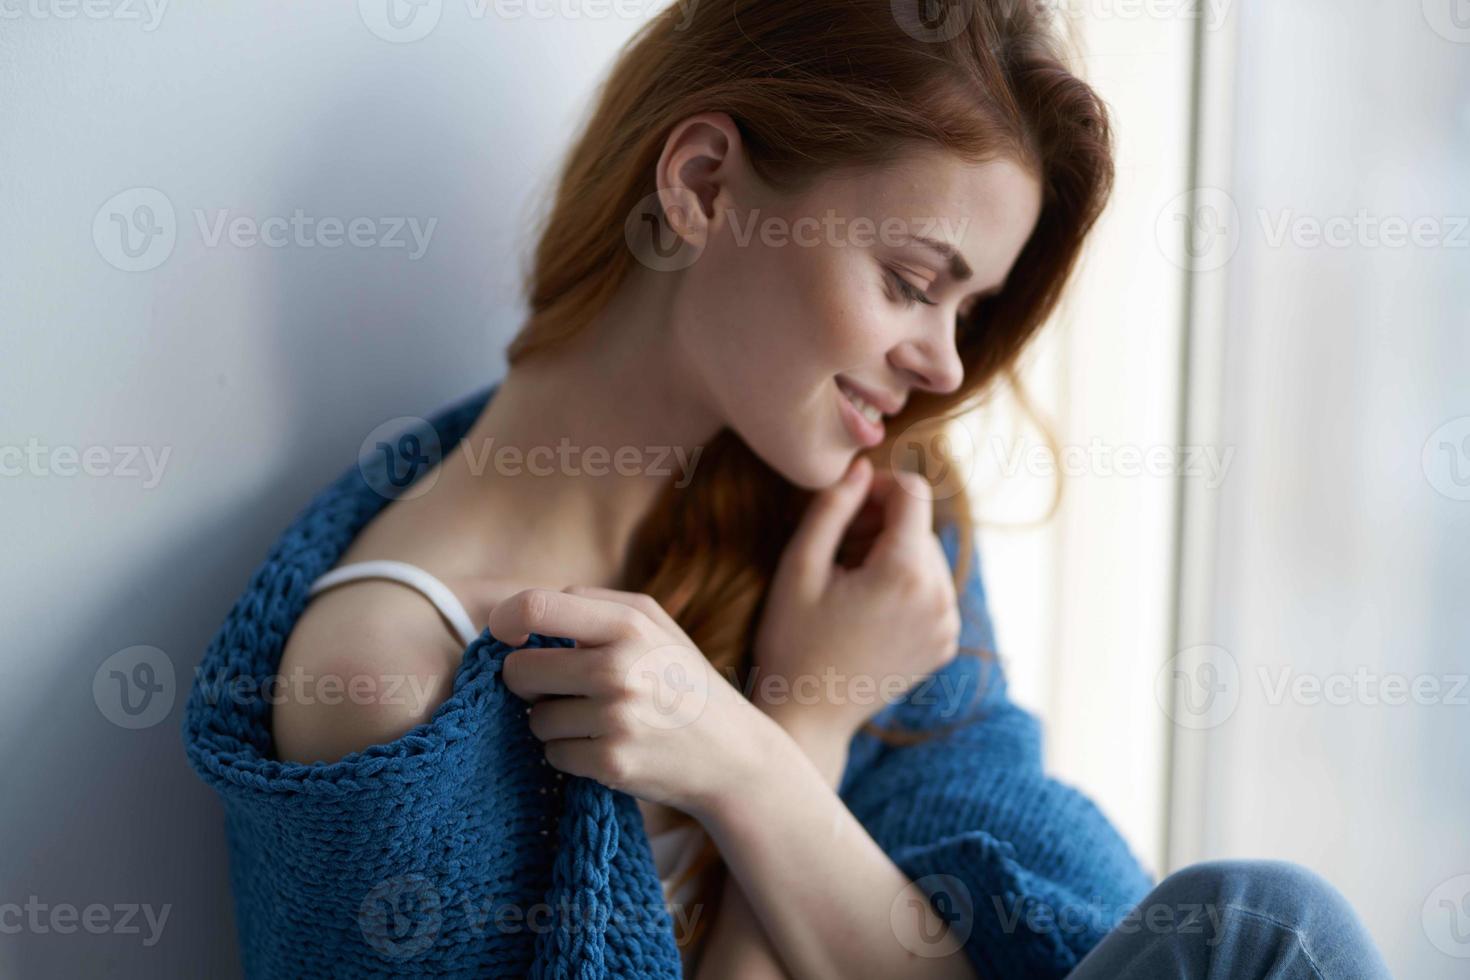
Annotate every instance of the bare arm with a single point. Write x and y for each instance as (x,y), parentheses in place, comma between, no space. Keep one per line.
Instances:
(831,901)
(810,890)
(815,892)
(737,947)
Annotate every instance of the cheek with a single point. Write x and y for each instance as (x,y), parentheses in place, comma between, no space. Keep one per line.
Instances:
(773,331)
(841,312)
(781,321)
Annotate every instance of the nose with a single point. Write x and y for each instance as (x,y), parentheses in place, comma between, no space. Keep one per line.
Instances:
(932,359)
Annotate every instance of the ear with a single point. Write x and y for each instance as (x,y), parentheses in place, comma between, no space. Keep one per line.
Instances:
(702,164)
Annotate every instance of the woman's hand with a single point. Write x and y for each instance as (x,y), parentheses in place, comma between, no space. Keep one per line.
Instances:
(635,705)
(842,642)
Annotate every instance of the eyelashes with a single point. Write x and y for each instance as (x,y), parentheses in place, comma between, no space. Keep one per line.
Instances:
(908,293)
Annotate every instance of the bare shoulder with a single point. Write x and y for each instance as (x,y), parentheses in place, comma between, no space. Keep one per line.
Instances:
(365,663)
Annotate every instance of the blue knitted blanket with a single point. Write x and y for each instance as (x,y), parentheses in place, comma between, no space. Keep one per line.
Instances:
(455,850)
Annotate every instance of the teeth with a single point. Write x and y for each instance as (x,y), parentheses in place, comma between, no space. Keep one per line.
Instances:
(868,412)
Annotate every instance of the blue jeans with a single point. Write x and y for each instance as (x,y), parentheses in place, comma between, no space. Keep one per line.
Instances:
(1239,920)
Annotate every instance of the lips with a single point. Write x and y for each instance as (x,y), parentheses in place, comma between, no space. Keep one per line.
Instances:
(867,410)
(887,404)
(865,430)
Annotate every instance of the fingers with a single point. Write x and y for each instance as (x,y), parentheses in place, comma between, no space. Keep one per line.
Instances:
(541,672)
(589,621)
(812,550)
(908,515)
(861,533)
(586,757)
(555,718)
(639,601)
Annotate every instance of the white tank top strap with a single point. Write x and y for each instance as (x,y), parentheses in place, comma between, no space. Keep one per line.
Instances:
(431,588)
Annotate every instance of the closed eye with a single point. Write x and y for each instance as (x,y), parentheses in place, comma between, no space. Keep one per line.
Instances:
(910,293)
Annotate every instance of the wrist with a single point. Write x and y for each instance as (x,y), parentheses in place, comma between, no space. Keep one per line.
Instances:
(764,759)
(799,705)
(819,738)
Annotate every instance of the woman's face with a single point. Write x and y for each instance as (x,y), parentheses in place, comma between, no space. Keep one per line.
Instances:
(800,304)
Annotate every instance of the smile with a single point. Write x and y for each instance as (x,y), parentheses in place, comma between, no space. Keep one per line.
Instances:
(869,411)
(863,419)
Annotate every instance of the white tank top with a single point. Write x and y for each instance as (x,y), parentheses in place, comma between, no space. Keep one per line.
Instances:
(673,849)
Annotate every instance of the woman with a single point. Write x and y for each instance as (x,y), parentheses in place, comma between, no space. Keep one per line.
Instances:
(793,239)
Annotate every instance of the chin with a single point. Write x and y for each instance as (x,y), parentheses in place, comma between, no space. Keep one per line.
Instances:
(812,464)
(808,453)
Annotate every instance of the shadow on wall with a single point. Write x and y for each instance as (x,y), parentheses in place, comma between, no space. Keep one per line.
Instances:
(358,336)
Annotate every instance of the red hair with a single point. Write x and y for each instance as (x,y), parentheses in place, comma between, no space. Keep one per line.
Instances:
(816,86)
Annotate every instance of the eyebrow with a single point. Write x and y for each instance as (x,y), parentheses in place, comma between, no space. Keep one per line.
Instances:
(958,267)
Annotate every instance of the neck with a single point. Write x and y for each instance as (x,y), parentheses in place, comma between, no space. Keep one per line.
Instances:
(578,443)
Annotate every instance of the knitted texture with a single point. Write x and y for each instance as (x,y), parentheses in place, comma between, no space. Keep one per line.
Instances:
(455,850)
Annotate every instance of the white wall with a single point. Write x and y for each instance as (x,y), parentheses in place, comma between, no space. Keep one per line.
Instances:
(1334,547)
(252,373)
(1340,554)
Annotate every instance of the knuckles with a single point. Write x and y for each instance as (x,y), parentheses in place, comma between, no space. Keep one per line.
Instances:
(621,719)
(907,578)
(647,605)
(531,607)
(639,623)
(613,763)
(608,670)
